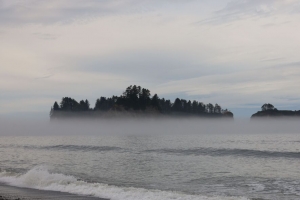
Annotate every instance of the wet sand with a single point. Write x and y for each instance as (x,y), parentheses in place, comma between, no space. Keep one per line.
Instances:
(15,193)
(6,198)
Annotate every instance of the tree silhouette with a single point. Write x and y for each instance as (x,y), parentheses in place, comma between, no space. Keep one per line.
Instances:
(155,102)
(55,106)
(210,108)
(68,104)
(267,106)
(201,108)
(165,106)
(81,105)
(87,104)
(177,106)
(136,98)
(144,98)
(188,107)
(217,108)
(103,104)
(195,107)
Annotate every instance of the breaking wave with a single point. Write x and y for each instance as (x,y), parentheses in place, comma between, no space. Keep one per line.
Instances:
(40,178)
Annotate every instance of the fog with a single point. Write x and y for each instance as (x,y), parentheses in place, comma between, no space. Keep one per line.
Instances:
(10,127)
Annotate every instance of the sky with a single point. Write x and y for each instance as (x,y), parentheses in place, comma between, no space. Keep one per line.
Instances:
(237,53)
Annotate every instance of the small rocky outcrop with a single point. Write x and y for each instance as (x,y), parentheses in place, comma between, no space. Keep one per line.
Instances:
(276,113)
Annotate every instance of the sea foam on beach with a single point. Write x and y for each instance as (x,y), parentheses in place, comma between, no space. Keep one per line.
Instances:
(40,178)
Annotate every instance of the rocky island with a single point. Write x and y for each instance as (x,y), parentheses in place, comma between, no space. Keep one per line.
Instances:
(269,111)
(136,102)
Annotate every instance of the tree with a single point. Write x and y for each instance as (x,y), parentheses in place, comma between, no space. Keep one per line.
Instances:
(68,104)
(55,106)
(194,106)
(267,106)
(177,106)
(84,105)
(144,93)
(131,96)
(162,104)
(138,98)
(188,107)
(144,98)
(210,108)
(104,104)
(87,104)
(167,106)
(217,108)
(155,102)
(81,105)
(201,107)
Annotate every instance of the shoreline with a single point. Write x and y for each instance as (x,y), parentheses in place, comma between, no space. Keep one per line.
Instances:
(6,198)
(8,192)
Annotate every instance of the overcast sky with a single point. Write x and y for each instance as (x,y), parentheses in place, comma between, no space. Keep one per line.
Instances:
(237,53)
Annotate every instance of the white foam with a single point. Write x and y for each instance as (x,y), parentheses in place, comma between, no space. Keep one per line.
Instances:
(40,178)
(257,187)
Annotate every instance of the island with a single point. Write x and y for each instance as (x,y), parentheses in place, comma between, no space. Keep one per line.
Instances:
(269,111)
(136,102)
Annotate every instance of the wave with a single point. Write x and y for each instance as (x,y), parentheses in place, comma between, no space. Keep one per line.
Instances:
(40,178)
(66,147)
(194,151)
(81,148)
(229,152)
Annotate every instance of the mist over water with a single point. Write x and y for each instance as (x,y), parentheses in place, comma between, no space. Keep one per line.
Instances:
(146,126)
(154,158)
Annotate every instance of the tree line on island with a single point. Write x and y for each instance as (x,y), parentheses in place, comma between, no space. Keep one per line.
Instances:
(137,99)
(269,111)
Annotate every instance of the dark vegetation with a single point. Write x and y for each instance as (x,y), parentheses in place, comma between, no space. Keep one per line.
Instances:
(268,110)
(135,101)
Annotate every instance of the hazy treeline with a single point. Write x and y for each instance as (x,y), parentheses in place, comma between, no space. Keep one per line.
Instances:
(136,98)
(268,110)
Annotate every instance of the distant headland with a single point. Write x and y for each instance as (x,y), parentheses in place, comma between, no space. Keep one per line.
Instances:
(269,111)
(136,102)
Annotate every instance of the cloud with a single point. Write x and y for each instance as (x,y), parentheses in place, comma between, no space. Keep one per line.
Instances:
(34,104)
(272,59)
(68,11)
(146,66)
(275,84)
(26,92)
(48,50)
(45,36)
(48,12)
(243,9)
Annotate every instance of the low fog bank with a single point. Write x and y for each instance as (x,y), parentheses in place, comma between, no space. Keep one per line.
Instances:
(146,126)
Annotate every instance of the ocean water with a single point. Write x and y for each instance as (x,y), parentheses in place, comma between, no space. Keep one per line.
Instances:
(190,162)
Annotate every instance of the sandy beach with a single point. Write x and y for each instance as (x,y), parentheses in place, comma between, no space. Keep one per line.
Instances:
(15,193)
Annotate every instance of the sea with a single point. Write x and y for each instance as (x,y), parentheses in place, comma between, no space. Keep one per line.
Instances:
(157,160)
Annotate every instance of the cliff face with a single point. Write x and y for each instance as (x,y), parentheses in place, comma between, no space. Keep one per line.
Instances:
(276,113)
